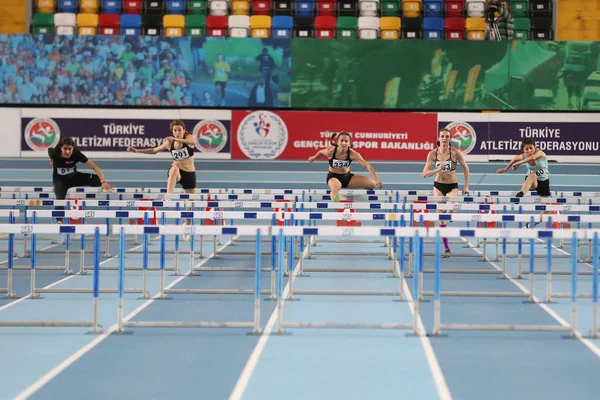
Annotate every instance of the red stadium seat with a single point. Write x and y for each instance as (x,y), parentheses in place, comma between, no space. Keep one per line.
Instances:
(325,26)
(109,24)
(216,25)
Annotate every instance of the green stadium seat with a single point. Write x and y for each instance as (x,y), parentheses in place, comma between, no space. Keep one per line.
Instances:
(43,23)
(347,27)
(195,25)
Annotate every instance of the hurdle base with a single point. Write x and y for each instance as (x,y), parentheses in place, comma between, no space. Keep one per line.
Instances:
(344,325)
(182,324)
(437,335)
(477,294)
(505,327)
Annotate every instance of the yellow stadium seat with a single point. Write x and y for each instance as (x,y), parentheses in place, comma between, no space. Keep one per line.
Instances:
(475,28)
(87,23)
(174,25)
(89,6)
(260,26)
(46,6)
(411,8)
(240,7)
(389,27)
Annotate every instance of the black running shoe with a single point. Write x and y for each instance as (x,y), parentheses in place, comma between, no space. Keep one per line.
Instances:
(520,194)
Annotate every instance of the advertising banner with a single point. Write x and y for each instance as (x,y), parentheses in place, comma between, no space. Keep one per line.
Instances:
(106,134)
(297,135)
(563,137)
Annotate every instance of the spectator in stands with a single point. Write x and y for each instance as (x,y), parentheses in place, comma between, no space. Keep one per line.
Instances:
(498,16)
(266,64)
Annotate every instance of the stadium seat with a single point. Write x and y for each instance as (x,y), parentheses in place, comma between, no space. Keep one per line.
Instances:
(325,26)
(389,28)
(152,24)
(390,8)
(217,8)
(411,9)
(89,7)
(197,7)
(260,26)
(475,28)
(304,27)
(240,7)
(455,8)
(541,8)
(132,7)
(45,6)
(475,8)
(519,8)
(174,25)
(304,8)
(216,25)
(67,6)
(283,7)
(65,23)
(195,24)
(43,23)
(412,28)
(346,8)
(111,7)
(368,8)
(154,7)
(87,24)
(239,26)
(281,26)
(521,29)
(262,7)
(347,27)
(175,7)
(368,28)
(131,24)
(541,29)
(433,28)
(326,7)
(108,24)
(454,28)
(433,8)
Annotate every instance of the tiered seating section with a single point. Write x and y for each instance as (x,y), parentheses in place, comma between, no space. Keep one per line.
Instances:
(323,19)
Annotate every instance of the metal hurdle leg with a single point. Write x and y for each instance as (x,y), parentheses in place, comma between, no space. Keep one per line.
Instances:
(9,283)
(595,327)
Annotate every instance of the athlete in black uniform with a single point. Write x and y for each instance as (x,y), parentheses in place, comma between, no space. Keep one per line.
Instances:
(63,159)
(181,146)
(340,157)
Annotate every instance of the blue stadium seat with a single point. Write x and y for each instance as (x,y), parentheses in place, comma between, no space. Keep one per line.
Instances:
(433,28)
(111,7)
(304,8)
(131,24)
(67,6)
(176,7)
(281,26)
(433,8)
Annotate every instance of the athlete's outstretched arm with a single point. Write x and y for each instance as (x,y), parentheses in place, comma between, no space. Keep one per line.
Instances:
(322,152)
(427,171)
(152,150)
(466,170)
(511,162)
(188,139)
(355,155)
(534,156)
(105,185)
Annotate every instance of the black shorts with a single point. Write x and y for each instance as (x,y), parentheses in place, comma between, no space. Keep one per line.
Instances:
(187,180)
(343,178)
(543,188)
(63,183)
(445,188)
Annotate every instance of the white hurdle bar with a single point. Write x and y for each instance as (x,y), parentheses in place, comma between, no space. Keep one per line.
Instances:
(343,192)
(164,230)
(310,198)
(34,230)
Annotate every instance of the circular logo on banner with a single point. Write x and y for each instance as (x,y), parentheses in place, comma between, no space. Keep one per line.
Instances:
(262,135)
(463,137)
(42,133)
(211,136)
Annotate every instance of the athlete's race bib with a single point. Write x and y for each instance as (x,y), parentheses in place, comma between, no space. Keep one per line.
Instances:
(180,154)
(65,171)
(447,165)
(541,171)
(340,164)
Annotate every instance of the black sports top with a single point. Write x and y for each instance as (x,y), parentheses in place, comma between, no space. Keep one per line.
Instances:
(335,163)
(449,165)
(64,167)
(185,152)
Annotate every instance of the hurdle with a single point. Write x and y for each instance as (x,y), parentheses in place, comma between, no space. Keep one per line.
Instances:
(34,230)
(11,214)
(254,324)
(575,235)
